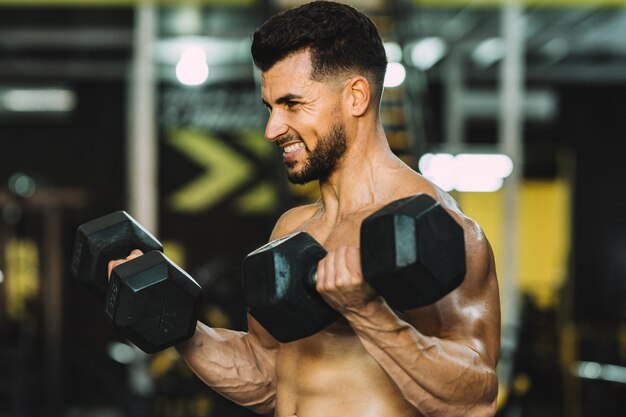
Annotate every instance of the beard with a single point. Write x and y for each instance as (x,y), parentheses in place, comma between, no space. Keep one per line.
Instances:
(322,160)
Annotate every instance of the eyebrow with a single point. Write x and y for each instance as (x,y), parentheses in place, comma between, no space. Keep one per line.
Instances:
(282,99)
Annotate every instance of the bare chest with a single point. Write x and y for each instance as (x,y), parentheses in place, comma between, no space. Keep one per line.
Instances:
(333,235)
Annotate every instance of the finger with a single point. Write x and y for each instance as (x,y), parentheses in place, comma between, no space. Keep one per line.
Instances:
(328,283)
(134,254)
(341,269)
(320,274)
(353,264)
(113,264)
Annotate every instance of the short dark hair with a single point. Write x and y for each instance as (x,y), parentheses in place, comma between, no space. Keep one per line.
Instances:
(339,38)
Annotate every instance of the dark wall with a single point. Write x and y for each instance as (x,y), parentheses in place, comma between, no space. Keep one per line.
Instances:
(594,119)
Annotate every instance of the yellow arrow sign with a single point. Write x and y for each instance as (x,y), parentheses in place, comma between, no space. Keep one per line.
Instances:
(263,198)
(226,170)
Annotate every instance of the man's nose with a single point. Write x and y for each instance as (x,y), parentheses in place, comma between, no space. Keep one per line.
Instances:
(275,127)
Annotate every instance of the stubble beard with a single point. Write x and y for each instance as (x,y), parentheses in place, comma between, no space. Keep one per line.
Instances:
(322,160)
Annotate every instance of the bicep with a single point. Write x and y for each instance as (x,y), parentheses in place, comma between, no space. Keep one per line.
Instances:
(261,336)
(470,314)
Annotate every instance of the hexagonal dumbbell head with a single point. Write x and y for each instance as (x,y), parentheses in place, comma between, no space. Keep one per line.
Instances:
(153,302)
(102,240)
(412,252)
(279,283)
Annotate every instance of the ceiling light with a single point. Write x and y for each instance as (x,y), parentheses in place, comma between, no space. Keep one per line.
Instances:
(192,68)
(38,100)
(426,52)
(393,51)
(469,172)
(488,52)
(395,74)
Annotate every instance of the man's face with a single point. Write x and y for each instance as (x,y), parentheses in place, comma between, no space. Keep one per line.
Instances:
(322,160)
(305,119)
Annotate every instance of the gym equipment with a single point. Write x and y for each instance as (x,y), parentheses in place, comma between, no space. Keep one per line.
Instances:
(104,239)
(279,282)
(153,302)
(149,299)
(412,253)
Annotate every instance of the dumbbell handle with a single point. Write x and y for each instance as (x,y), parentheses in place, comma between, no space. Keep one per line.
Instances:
(113,285)
(90,258)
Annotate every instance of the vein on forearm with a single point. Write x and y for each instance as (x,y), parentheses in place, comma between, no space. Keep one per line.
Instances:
(425,368)
(234,367)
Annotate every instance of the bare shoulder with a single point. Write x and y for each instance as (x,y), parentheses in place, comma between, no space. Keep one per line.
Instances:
(291,220)
(410,182)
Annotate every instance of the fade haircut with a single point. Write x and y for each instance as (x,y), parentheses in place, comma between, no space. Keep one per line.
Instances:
(339,38)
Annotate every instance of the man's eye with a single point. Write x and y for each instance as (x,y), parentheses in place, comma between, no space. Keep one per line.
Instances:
(291,104)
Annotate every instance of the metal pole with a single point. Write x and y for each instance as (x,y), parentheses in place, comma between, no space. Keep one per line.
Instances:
(511,130)
(142,154)
(142,144)
(454,136)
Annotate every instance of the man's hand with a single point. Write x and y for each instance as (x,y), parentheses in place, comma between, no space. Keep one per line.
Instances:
(340,280)
(112,264)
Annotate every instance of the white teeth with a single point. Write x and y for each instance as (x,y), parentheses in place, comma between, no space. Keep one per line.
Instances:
(293,148)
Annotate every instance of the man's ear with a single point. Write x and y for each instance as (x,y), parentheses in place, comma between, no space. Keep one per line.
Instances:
(358,95)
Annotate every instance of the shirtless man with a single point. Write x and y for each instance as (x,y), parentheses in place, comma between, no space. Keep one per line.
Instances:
(322,69)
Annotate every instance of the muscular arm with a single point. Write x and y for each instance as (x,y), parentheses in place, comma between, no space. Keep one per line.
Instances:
(241,366)
(442,357)
(238,365)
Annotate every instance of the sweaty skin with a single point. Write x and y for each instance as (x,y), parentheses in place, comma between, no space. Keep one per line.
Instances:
(437,360)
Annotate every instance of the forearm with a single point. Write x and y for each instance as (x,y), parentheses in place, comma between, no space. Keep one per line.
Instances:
(234,365)
(437,376)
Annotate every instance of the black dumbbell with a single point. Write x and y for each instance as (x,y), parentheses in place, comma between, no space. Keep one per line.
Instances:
(412,253)
(279,283)
(149,299)
(104,239)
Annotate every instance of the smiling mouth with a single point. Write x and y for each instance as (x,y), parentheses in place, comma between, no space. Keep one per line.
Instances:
(293,147)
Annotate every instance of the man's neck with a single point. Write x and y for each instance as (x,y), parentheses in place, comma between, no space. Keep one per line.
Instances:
(362,177)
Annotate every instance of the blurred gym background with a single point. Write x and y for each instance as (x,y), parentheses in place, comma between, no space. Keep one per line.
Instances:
(517,107)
